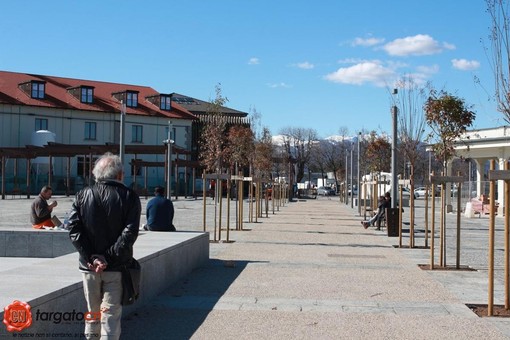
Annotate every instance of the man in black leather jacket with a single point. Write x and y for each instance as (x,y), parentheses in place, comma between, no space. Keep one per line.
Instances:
(103,228)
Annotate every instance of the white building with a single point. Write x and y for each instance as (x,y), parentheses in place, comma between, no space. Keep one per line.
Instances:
(83,113)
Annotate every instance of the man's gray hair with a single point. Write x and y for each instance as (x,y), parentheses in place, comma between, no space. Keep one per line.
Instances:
(108,166)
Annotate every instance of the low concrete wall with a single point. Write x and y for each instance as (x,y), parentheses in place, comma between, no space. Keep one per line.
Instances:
(34,243)
(53,288)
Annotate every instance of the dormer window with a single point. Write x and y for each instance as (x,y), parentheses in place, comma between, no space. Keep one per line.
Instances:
(37,90)
(165,102)
(34,88)
(130,98)
(84,94)
(87,94)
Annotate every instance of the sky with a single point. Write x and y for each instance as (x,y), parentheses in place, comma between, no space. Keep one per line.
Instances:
(328,65)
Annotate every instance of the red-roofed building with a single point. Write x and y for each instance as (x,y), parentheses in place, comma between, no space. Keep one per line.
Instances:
(85,112)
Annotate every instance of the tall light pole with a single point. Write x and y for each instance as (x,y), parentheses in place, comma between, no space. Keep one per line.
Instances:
(352,189)
(359,181)
(122,132)
(394,177)
(169,143)
(346,187)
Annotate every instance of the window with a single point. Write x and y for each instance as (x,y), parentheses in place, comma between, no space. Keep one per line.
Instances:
(87,94)
(137,134)
(90,130)
(131,99)
(37,90)
(41,124)
(165,102)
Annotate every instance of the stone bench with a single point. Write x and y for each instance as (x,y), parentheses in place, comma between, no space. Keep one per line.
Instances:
(53,288)
(35,243)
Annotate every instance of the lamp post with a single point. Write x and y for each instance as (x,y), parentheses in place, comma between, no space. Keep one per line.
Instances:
(394,178)
(350,184)
(346,188)
(169,143)
(122,132)
(359,181)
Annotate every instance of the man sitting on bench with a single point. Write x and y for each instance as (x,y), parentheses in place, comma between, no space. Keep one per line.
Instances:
(40,212)
(384,202)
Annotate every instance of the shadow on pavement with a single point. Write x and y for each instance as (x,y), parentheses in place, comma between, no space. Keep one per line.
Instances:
(179,312)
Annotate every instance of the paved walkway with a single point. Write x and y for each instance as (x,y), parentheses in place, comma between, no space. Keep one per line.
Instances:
(310,271)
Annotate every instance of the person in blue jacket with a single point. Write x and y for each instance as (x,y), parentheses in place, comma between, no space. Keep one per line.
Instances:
(160,212)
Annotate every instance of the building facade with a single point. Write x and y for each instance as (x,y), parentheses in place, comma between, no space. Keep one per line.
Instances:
(37,109)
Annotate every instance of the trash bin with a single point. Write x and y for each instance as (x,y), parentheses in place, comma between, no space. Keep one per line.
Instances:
(392,215)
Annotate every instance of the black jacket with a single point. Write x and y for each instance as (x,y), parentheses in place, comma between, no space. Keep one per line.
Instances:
(107,228)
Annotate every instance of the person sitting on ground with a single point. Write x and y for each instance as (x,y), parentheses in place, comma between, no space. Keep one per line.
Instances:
(377,218)
(40,212)
(160,212)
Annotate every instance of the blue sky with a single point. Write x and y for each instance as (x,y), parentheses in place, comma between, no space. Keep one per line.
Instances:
(323,64)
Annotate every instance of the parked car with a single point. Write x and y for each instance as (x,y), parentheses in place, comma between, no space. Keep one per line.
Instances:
(325,191)
(353,192)
(406,193)
(420,192)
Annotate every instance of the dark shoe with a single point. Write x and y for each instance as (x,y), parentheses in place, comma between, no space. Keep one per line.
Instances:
(378,228)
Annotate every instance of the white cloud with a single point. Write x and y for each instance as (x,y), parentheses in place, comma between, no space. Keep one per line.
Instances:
(253,61)
(429,70)
(420,44)
(364,72)
(367,42)
(275,85)
(465,65)
(305,65)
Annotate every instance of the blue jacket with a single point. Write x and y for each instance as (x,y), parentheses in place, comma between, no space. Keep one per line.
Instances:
(160,214)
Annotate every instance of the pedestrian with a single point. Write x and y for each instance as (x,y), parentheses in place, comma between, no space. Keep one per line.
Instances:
(383,204)
(375,220)
(104,223)
(40,210)
(159,212)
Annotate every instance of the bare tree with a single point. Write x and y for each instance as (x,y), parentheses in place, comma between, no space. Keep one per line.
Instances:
(213,138)
(499,57)
(298,145)
(326,157)
(240,146)
(263,158)
(410,100)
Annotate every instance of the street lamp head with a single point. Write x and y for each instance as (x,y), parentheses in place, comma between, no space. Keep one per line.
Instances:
(166,141)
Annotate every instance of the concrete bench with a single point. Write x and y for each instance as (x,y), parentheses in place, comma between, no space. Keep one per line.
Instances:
(35,243)
(53,288)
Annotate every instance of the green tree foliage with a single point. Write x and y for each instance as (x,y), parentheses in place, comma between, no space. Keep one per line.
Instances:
(448,117)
